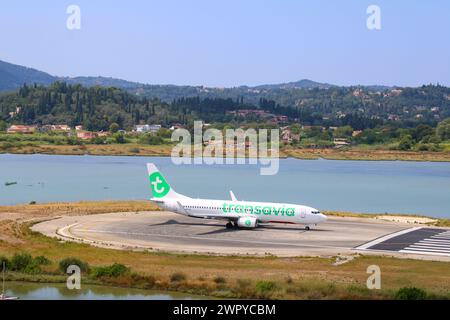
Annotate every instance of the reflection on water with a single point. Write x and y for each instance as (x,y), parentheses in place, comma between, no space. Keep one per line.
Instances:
(40,291)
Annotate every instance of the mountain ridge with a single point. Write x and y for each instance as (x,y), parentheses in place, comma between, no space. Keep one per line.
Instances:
(12,76)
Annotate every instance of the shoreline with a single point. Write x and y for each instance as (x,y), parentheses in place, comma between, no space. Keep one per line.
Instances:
(144,205)
(352,154)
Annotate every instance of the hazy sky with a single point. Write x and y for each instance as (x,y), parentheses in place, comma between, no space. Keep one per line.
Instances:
(232,42)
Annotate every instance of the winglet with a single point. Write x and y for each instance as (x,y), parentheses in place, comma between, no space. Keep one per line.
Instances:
(233,198)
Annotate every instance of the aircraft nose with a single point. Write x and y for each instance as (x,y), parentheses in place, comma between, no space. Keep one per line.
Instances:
(323,217)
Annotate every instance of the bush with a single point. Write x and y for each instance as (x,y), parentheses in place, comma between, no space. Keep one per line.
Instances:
(32,268)
(98,140)
(135,150)
(423,147)
(177,276)
(411,293)
(41,260)
(151,139)
(405,143)
(114,127)
(119,137)
(219,280)
(20,261)
(4,260)
(265,286)
(73,141)
(65,263)
(113,271)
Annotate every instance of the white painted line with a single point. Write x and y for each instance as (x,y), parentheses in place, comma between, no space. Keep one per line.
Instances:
(440,237)
(386,237)
(425,252)
(432,244)
(436,241)
(428,249)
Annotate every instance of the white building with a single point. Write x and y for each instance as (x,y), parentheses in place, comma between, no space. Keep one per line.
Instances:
(144,128)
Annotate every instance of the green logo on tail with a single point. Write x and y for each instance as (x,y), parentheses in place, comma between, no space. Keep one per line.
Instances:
(159,185)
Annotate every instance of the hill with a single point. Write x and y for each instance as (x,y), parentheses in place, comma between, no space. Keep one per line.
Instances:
(12,76)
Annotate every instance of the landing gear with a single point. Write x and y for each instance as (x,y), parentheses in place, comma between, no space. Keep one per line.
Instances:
(229,225)
(307,228)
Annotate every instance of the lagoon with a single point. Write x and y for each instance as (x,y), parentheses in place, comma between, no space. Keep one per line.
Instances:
(357,186)
(56,291)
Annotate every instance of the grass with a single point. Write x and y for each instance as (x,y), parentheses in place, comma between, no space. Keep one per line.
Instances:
(361,152)
(220,276)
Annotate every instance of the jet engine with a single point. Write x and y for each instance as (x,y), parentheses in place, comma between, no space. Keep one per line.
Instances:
(247,222)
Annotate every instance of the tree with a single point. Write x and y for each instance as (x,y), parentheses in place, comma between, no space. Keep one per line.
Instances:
(422,131)
(406,143)
(343,132)
(114,127)
(151,139)
(2,125)
(119,137)
(443,129)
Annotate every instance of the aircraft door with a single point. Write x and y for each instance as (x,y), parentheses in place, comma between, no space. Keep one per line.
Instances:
(303,213)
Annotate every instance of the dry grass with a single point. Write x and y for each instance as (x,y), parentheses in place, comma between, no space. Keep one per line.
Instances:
(98,150)
(309,277)
(78,208)
(364,154)
(349,153)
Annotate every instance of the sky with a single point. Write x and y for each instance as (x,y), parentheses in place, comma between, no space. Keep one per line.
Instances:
(224,43)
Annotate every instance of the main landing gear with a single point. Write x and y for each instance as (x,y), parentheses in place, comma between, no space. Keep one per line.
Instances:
(231,225)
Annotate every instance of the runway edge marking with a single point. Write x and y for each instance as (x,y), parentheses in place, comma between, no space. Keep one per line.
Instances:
(369,244)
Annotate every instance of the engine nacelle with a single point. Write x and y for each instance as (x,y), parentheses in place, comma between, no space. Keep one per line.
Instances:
(247,222)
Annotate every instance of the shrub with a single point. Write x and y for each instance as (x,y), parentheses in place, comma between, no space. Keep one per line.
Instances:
(220,280)
(4,260)
(411,293)
(119,137)
(405,143)
(177,276)
(65,263)
(98,140)
(20,261)
(151,139)
(41,260)
(113,271)
(73,141)
(135,150)
(32,268)
(423,147)
(264,286)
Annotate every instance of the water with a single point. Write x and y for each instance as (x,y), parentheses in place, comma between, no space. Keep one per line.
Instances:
(42,291)
(357,186)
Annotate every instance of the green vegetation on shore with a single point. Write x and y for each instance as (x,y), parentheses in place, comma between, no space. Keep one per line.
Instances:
(26,268)
(361,119)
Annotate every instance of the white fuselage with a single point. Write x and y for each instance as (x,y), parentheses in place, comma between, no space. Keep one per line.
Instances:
(264,212)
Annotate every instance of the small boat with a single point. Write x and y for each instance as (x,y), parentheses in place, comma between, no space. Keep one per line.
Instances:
(3,295)
(10,183)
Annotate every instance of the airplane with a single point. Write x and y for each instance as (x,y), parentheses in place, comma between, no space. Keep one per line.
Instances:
(239,214)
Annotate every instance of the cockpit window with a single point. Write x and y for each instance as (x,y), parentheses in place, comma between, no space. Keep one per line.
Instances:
(315,212)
